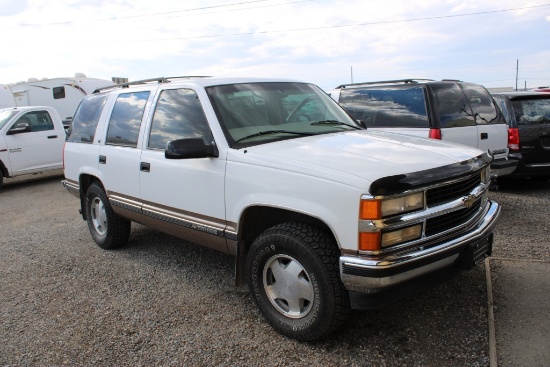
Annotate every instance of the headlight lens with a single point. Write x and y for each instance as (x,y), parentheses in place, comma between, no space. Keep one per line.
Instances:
(402,204)
(401,235)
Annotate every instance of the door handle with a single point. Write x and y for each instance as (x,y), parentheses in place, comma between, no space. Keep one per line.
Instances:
(145,167)
(484,136)
(102,159)
(52,137)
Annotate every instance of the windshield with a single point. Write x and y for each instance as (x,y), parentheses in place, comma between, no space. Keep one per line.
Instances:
(5,116)
(256,113)
(532,111)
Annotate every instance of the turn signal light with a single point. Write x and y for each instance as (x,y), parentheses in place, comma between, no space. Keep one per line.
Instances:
(369,241)
(371,209)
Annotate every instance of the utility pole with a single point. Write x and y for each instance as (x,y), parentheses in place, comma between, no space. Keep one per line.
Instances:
(352,74)
(517,70)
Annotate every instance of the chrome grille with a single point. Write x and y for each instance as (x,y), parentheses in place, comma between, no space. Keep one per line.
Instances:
(447,221)
(455,190)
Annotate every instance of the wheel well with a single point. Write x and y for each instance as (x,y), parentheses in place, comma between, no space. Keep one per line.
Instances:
(3,169)
(257,219)
(85,182)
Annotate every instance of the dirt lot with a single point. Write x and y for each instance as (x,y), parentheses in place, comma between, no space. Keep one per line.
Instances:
(162,301)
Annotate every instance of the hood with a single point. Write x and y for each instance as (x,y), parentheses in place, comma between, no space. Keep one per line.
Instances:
(358,155)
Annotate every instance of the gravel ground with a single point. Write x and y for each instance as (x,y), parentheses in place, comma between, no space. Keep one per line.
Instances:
(162,301)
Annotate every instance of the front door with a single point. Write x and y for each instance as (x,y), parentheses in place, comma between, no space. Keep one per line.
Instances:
(37,149)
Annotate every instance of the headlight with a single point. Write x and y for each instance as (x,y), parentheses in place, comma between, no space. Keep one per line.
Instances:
(380,208)
(401,235)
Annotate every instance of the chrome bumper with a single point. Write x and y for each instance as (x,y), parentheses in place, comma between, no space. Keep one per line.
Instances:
(361,274)
(71,187)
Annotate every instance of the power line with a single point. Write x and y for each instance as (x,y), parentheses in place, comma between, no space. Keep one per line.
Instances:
(338,26)
(157,14)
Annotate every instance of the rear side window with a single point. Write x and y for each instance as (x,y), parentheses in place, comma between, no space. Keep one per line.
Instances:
(83,126)
(532,111)
(387,107)
(482,104)
(451,106)
(178,115)
(126,119)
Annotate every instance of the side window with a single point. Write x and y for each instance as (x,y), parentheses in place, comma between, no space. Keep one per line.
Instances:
(178,115)
(126,119)
(501,103)
(58,92)
(481,102)
(452,107)
(83,126)
(387,107)
(37,120)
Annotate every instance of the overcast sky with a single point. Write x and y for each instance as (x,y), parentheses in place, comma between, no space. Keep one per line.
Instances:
(327,42)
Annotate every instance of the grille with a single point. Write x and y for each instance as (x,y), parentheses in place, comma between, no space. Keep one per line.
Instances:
(452,191)
(450,220)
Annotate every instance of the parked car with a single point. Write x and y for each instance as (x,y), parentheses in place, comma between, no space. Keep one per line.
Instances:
(318,212)
(448,110)
(31,141)
(528,117)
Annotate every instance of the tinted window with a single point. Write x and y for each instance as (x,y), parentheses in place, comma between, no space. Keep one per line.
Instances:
(38,120)
(82,129)
(387,107)
(532,111)
(482,104)
(451,106)
(178,115)
(58,92)
(126,119)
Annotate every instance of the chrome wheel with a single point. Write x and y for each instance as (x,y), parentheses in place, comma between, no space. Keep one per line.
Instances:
(98,216)
(288,287)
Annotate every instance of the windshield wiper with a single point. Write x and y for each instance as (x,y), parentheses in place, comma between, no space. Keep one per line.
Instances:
(333,122)
(270,132)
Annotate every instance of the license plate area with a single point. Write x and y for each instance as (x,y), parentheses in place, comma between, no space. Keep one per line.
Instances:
(475,253)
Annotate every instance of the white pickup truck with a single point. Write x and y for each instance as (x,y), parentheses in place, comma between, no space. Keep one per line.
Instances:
(31,140)
(321,215)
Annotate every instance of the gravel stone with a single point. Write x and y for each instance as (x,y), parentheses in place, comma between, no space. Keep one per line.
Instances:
(160,301)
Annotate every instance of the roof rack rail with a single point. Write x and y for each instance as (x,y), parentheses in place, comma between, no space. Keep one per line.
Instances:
(405,81)
(145,81)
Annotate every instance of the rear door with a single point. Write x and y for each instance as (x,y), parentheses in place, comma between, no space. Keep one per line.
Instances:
(492,131)
(532,115)
(119,157)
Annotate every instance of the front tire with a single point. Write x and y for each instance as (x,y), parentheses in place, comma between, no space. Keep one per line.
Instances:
(108,230)
(293,275)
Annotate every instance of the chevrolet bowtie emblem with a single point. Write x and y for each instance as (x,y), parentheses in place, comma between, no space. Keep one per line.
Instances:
(469,201)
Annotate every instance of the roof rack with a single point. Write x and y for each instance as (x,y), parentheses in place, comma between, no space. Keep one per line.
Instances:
(405,81)
(145,81)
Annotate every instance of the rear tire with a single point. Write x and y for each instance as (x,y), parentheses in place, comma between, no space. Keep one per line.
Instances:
(108,230)
(293,275)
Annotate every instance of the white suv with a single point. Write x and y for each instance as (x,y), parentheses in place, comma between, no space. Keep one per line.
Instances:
(320,214)
(448,110)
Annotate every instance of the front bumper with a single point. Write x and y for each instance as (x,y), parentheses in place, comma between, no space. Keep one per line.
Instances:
(361,274)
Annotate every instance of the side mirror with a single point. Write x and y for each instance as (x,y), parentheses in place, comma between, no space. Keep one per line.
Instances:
(189,148)
(20,127)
